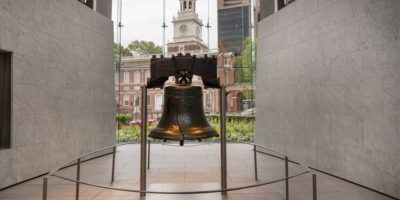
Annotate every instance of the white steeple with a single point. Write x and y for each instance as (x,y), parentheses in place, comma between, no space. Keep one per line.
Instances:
(187,25)
(188,29)
(188,5)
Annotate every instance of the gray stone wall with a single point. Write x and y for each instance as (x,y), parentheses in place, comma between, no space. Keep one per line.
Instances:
(104,7)
(328,88)
(62,84)
(267,8)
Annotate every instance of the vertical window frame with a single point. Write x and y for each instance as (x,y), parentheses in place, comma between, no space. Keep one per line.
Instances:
(5,99)
(148,100)
(158,102)
(88,3)
(126,77)
(137,77)
(126,100)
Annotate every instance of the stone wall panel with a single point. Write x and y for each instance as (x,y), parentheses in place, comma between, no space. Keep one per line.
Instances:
(63,102)
(332,82)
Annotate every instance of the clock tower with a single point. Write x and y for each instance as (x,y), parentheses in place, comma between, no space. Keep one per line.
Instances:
(188,30)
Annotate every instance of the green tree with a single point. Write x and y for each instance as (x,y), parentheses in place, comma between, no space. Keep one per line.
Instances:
(125,52)
(249,53)
(245,62)
(145,47)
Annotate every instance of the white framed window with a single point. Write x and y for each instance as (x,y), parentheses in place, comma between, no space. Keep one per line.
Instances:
(148,100)
(147,76)
(117,98)
(158,102)
(126,77)
(126,100)
(137,77)
(207,100)
(116,78)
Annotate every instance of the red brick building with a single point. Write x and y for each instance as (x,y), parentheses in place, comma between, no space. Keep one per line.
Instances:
(135,70)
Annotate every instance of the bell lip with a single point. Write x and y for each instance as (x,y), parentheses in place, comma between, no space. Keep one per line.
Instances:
(182,85)
(192,137)
(193,87)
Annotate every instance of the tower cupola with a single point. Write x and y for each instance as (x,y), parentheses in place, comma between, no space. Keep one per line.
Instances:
(188,30)
(188,5)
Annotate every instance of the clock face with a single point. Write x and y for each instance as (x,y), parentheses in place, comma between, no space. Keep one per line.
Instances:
(183,28)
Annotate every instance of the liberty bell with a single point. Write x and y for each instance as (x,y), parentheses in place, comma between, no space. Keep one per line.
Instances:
(183,116)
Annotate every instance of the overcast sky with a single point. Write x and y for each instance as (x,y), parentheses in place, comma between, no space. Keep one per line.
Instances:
(142,20)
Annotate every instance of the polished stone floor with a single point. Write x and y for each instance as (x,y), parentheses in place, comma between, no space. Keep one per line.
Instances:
(193,167)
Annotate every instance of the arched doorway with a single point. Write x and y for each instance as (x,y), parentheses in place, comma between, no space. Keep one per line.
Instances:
(235,100)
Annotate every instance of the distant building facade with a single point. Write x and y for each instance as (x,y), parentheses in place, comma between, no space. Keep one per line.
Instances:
(133,74)
(135,70)
(234,23)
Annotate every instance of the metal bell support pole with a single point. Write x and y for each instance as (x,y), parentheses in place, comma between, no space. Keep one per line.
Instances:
(314,184)
(113,165)
(45,181)
(255,163)
(287,177)
(148,154)
(222,103)
(78,177)
(143,141)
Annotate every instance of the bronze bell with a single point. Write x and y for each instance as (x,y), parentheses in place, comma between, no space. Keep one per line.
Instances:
(183,116)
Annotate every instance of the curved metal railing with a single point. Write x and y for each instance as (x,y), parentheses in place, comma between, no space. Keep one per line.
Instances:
(78,160)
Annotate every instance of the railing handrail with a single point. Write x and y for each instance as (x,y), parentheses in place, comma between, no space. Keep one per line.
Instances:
(84,155)
(118,145)
(77,181)
(184,192)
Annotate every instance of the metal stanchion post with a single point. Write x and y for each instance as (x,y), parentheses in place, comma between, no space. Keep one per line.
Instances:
(45,188)
(148,155)
(223,139)
(287,177)
(143,142)
(78,177)
(314,180)
(255,163)
(113,165)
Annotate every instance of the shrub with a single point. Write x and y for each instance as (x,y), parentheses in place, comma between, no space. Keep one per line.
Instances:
(241,129)
(123,119)
(131,133)
(237,129)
